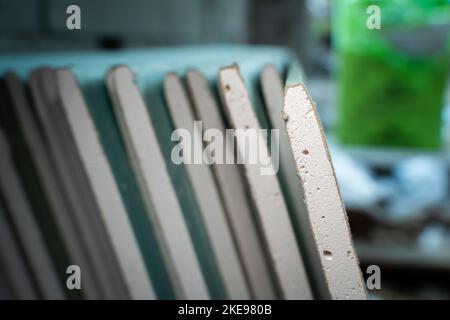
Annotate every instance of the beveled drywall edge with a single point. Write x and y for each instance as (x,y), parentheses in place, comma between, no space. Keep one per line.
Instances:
(273,92)
(322,198)
(27,230)
(104,187)
(266,195)
(76,187)
(207,194)
(154,182)
(60,209)
(231,186)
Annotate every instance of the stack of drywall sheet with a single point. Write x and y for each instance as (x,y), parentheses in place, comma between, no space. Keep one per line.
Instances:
(89,181)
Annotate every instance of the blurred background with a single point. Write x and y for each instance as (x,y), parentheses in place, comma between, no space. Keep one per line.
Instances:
(382,94)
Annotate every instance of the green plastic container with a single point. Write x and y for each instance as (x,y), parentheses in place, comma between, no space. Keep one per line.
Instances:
(392,80)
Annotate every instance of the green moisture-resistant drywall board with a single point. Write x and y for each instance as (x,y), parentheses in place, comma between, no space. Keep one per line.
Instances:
(150,66)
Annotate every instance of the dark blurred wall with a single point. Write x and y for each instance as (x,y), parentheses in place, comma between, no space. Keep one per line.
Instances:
(41,24)
(281,22)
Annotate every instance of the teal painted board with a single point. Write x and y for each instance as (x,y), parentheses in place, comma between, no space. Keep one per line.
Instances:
(206,59)
(150,66)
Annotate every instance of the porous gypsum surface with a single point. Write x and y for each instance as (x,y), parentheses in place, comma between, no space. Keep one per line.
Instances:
(323,201)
